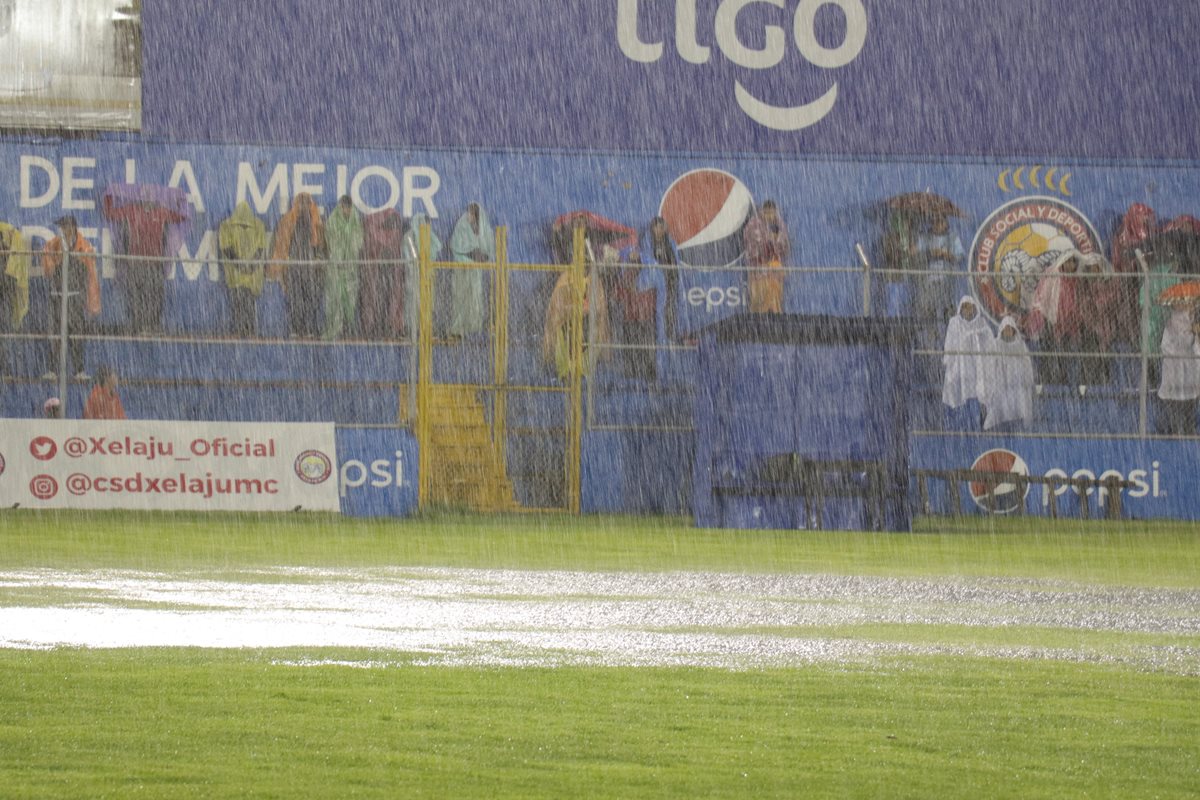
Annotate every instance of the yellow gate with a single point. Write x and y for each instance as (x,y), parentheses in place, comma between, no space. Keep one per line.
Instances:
(492,436)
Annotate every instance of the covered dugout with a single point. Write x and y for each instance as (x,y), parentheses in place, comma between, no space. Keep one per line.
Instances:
(802,422)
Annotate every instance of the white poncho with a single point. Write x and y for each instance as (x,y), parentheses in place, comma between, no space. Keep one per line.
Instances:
(967,342)
(1008,380)
(1180,376)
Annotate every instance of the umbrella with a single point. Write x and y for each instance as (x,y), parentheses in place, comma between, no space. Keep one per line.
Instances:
(1181,238)
(1183,224)
(1186,292)
(601,231)
(924,203)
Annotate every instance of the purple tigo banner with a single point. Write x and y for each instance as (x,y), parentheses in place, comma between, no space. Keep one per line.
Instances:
(1083,78)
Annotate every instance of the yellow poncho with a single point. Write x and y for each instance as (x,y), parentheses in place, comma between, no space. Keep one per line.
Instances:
(243,237)
(17,268)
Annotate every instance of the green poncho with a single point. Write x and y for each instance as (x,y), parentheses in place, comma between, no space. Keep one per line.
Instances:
(344,235)
(466,286)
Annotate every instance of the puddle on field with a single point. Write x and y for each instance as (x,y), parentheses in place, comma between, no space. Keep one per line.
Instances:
(515,618)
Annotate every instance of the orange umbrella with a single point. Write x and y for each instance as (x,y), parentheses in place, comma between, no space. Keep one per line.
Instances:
(1186,292)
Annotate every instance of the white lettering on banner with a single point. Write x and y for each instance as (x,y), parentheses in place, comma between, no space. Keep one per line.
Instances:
(300,184)
(220,466)
(183,175)
(393,185)
(413,191)
(193,265)
(383,473)
(734,48)
(714,297)
(419,186)
(1147,483)
(686,45)
(71,184)
(53,182)
(248,190)
(108,266)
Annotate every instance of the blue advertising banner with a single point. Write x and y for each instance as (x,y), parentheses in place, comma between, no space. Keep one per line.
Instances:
(1164,473)
(828,205)
(377,472)
(1079,78)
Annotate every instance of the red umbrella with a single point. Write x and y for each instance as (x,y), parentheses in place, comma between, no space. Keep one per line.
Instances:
(601,231)
(1185,224)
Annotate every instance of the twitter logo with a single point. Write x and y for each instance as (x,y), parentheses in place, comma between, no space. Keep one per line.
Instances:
(43,448)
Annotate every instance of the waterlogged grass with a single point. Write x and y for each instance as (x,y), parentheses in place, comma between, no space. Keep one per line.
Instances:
(170,723)
(1099,552)
(238,724)
(1097,643)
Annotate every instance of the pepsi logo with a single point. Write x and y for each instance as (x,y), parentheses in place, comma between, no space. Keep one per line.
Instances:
(43,448)
(705,210)
(999,498)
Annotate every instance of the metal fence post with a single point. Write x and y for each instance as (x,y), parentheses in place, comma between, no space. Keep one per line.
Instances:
(1144,340)
(866,270)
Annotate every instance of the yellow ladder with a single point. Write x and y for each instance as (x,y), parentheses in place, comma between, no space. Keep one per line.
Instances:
(466,469)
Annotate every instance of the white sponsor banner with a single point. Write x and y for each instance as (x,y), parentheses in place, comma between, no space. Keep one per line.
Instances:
(187,466)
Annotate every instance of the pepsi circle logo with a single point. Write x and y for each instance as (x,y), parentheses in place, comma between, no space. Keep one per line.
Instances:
(43,448)
(43,487)
(705,211)
(999,498)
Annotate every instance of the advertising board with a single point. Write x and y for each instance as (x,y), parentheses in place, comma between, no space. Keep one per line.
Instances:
(154,466)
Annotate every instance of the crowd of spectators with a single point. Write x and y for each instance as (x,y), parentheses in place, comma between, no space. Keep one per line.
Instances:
(346,275)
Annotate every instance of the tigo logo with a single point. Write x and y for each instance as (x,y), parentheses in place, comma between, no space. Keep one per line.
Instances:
(727,31)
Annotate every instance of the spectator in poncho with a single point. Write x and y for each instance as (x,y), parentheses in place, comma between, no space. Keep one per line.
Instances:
(242,238)
(411,249)
(344,233)
(659,250)
(14,285)
(296,253)
(147,223)
(381,284)
(1179,388)
(104,402)
(1008,381)
(556,336)
(969,339)
(941,253)
(472,242)
(82,284)
(767,245)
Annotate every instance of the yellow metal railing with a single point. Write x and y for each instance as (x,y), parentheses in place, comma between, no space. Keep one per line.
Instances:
(500,386)
(424,367)
(575,411)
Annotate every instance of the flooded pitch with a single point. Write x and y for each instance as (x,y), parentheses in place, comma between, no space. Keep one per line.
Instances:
(491,617)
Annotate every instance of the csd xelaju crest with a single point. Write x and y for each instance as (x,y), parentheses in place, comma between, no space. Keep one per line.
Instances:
(1017,243)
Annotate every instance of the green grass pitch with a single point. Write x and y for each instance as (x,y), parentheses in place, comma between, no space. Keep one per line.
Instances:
(167,723)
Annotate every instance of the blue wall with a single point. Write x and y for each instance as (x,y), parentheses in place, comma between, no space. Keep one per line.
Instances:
(1098,78)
